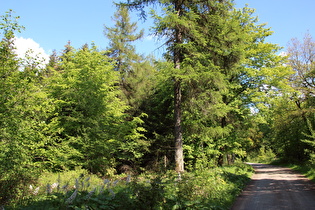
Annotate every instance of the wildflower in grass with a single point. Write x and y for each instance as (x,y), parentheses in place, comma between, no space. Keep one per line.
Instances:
(115,182)
(36,191)
(31,187)
(65,187)
(107,182)
(54,185)
(88,196)
(72,197)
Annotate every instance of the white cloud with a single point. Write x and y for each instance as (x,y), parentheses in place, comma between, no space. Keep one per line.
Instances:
(149,37)
(283,54)
(25,44)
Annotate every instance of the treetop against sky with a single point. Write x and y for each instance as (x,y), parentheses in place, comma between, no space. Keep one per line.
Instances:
(51,24)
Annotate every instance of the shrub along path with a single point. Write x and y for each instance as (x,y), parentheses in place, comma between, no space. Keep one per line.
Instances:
(274,187)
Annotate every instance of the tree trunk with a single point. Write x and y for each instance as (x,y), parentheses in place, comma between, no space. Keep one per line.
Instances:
(221,149)
(220,160)
(179,156)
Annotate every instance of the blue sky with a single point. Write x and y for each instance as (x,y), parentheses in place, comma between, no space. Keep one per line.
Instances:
(50,24)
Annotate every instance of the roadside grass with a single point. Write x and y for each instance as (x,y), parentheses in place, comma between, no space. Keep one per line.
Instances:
(214,188)
(305,169)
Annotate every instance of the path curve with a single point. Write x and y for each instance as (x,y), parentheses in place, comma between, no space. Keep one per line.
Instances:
(274,187)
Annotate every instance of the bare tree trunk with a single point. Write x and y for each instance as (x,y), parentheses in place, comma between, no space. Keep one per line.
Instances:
(179,156)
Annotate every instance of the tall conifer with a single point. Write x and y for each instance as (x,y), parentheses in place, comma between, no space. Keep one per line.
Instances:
(180,25)
(128,63)
(121,37)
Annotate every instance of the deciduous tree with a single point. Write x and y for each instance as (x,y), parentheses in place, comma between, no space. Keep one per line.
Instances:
(90,120)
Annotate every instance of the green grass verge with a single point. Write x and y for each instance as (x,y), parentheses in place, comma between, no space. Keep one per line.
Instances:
(306,170)
(214,188)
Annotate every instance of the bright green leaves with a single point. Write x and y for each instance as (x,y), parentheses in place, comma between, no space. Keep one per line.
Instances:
(89,118)
(292,113)
(85,103)
(67,115)
(24,107)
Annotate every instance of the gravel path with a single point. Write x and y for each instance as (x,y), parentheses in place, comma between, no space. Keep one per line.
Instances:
(274,187)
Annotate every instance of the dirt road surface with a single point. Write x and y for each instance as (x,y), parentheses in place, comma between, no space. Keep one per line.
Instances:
(274,187)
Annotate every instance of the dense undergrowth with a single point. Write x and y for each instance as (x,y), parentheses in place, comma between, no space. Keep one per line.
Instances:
(263,155)
(214,188)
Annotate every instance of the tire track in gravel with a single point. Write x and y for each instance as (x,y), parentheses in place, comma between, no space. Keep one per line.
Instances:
(274,187)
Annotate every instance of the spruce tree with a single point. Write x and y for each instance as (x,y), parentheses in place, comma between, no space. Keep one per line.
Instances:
(121,37)
(180,25)
(221,65)
(132,67)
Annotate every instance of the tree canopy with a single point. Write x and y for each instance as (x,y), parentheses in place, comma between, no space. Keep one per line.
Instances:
(220,93)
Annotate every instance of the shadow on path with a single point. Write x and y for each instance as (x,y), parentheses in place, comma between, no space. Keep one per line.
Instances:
(274,187)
